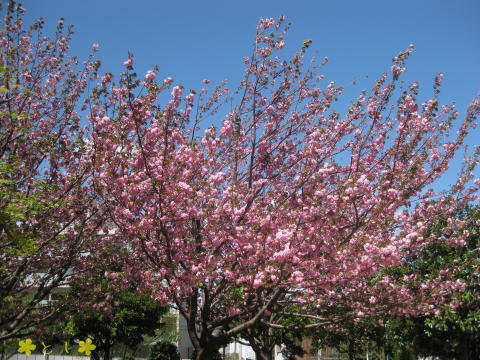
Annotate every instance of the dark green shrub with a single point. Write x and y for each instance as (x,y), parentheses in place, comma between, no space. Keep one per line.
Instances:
(164,351)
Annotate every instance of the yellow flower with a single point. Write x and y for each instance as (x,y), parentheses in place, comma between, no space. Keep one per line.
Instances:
(86,346)
(26,346)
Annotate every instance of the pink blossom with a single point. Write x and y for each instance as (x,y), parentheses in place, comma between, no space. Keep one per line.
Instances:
(227,129)
(268,23)
(128,62)
(106,78)
(177,92)
(150,75)
(280,192)
(184,186)
(190,97)
(397,70)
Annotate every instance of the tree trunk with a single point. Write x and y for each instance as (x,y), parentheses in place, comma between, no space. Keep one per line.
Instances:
(206,353)
(107,351)
(351,351)
(263,354)
(463,352)
(262,342)
(103,351)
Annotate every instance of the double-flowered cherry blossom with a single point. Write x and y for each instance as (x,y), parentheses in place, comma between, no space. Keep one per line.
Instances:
(281,199)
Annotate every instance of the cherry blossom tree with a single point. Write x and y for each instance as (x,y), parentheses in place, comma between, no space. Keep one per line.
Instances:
(283,200)
(47,211)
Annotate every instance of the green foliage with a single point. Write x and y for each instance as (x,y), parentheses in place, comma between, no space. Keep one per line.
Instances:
(131,318)
(164,351)
(16,207)
(350,337)
(452,334)
(215,356)
(168,332)
(8,348)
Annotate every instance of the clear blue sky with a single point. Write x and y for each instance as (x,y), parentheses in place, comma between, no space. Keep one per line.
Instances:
(191,40)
